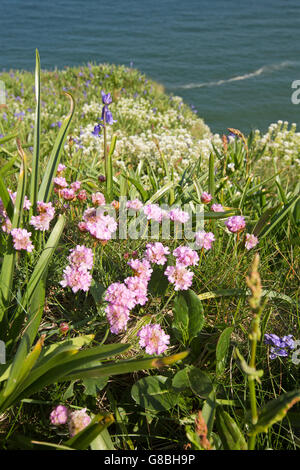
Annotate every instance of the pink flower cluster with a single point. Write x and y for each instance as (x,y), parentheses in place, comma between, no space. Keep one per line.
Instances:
(235,224)
(180,276)
(186,256)
(155,253)
(62,188)
(206,198)
(21,239)
(153,339)
(42,220)
(251,241)
(77,420)
(100,226)
(76,274)
(123,297)
(204,239)
(217,208)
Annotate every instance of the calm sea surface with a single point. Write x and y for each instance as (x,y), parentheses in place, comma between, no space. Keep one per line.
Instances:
(233,60)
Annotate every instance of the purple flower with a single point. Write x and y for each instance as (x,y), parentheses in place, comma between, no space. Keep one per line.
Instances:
(106,99)
(153,339)
(97,130)
(280,346)
(59,415)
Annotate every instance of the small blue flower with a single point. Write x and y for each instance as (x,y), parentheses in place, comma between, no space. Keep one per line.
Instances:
(106,99)
(97,130)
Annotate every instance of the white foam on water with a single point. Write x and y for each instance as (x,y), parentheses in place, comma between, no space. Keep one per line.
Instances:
(256,73)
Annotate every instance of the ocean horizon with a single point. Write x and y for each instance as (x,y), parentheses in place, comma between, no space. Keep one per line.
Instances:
(233,62)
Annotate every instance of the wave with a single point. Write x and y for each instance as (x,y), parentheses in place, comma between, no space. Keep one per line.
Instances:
(256,73)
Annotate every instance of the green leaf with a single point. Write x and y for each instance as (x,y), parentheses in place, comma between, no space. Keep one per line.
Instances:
(211,175)
(275,411)
(103,441)
(34,183)
(51,169)
(158,283)
(188,313)
(279,217)
(8,137)
(180,380)
(139,187)
(264,219)
(222,349)
(154,393)
(94,386)
(200,382)
(209,411)
(229,432)
(109,171)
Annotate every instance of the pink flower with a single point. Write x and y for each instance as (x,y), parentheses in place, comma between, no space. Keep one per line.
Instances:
(118,317)
(21,239)
(82,196)
(118,294)
(76,278)
(217,208)
(78,420)
(204,239)
(186,256)
(99,225)
(251,241)
(68,194)
(206,197)
(98,199)
(13,196)
(178,215)
(6,227)
(60,182)
(180,276)
(135,204)
(235,224)
(155,253)
(81,256)
(138,286)
(153,338)
(59,415)
(46,214)
(153,212)
(76,185)
(61,168)
(141,268)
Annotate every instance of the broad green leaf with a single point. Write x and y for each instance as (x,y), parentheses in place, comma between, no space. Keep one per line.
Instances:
(94,386)
(159,282)
(180,380)
(229,432)
(275,411)
(209,411)
(200,382)
(222,349)
(154,393)
(103,441)
(188,313)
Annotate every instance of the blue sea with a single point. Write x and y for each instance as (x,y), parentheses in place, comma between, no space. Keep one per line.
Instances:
(234,61)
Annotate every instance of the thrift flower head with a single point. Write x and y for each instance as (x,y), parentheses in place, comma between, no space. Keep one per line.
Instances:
(204,239)
(155,253)
(138,286)
(180,276)
(82,196)
(153,212)
(206,197)
(98,199)
(81,256)
(59,415)
(117,316)
(235,224)
(76,185)
(217,208)
(153,339)
(46,214)
(141,268)
(251,241)
(118,294)
(60,182)
(21,239)
(135,204)
(76,278)
(186,256)
(177,215)
(68,194)
(61,168)
(78,420)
